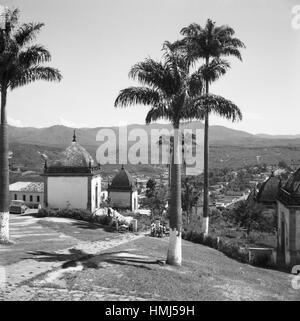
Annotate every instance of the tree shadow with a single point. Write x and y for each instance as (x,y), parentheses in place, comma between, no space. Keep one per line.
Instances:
(92,226)
(89,261)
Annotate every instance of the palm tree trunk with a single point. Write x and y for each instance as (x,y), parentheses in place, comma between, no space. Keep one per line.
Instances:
(4,172)
(174,256)
(205,222)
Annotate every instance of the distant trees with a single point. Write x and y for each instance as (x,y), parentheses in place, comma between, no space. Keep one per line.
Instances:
(21,63)
(190,195)
(283,164)
(250,216)
(150,188)
(157,197)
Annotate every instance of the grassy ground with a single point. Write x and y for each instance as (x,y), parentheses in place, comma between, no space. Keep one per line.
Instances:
(136,268)
(63,259)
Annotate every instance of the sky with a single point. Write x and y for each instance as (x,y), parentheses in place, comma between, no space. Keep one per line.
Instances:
(95,42)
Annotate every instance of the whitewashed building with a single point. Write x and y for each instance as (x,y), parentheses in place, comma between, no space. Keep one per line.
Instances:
(288,213)
(32,193)
(122,192)
(73,181)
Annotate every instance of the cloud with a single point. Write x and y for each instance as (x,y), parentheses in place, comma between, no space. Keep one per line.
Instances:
(14,122)
(69,123)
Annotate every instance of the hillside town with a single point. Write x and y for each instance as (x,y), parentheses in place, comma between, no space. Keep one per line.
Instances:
(165,203)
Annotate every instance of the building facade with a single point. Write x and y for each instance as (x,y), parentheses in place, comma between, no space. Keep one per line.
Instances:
(73,181)
(288,229)
(32,193)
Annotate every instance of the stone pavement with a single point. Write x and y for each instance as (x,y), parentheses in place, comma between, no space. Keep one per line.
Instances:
(20,263)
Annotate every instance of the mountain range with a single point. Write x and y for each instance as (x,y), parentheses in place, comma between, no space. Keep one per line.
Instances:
(60,136)
(228,147)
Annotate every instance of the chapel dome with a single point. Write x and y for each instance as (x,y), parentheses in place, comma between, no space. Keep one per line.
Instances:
(269,190)
(74,156)
(122,181)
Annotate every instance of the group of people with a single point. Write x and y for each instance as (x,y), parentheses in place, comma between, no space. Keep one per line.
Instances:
(158,229)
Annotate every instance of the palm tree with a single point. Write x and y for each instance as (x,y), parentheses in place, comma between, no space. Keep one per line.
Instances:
(20,64)
(211,43)
(164,90)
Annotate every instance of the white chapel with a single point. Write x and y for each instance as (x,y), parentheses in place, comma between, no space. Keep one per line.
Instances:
(72,181)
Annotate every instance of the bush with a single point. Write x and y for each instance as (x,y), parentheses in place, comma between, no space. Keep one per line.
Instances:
(232,250)
(76,214)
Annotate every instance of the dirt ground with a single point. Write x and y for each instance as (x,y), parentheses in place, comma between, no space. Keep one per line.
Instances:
(63,260)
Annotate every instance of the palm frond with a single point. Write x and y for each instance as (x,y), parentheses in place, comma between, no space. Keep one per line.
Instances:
(159,112)
(214,70)
(154,74)
(231,51)
(191,30)
(218,105)
(137,95)
(211,41)
(26,76)
(34,55)
(27,32)
(195,84)
(11,19)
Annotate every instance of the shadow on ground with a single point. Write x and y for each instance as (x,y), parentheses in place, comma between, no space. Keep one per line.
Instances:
(93,226)
(89,261)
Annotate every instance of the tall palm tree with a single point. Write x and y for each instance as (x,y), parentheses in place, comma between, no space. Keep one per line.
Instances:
(164,90)
(210,44)
(21,63)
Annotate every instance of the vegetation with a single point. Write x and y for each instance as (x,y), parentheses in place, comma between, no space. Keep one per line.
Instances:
(250,216)
(191,192)
(164,89)
(229,237)
(157,198)
(176,93)
(20,64)
(210,44)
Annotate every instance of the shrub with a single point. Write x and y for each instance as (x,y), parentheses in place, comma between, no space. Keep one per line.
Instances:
(232,250)
(76,214)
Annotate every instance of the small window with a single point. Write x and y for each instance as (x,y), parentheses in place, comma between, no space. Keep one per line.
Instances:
(38,199)
(16,196)
(30,198)
(24,198)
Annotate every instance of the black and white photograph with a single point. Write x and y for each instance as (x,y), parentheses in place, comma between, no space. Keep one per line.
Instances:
(149,153)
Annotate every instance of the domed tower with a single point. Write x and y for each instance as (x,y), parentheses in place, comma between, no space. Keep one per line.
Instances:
(122,191)
(73,180)
(288,211)
(268,192)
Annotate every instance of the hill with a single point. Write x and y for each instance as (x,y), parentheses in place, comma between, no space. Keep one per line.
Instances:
(228,147)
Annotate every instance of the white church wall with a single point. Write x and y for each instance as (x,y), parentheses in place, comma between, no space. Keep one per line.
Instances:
(67,191)
(95,181)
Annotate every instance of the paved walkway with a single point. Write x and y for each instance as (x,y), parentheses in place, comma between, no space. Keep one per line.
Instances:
(34,237)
